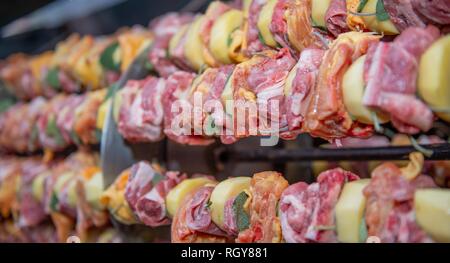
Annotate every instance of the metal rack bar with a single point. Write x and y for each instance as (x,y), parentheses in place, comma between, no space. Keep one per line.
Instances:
(440,152)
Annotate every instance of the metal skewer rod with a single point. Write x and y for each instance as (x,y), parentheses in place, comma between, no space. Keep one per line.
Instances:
(440,152)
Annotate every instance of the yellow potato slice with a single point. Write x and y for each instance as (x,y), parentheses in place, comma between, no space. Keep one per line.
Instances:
(117,103)
(372,23)
(177,195)
(318,10)
(102,113)
(432,207)
(221,32)
(246,5)
(72,196)
(434,77)
(94,190)
(193,49)
(350,211)
(223,192)
(175,40)
(37,187)
(353,91)
(61,181)
(114,199)
(264,20)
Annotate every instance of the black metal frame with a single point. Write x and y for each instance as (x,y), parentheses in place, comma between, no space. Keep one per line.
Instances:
(440,152)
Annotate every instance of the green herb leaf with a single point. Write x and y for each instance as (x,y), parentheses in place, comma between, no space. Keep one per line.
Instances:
(52,79)
(52,130)
(107,57)
(261,38)
(315,25)
(363,230)
(75,138)
(208,204)
(5,104)
(242,218)
(362,4)
(54,202)
(230,39)
(149,66)
(382,15)
(157,178)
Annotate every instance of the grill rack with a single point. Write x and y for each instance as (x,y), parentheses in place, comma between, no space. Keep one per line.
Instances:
(440,152)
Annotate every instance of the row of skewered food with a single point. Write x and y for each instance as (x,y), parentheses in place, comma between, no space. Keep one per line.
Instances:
(51,124)
(51,200)
(348,90)
(77,64)
(328,65)
(143,108)
(396,204)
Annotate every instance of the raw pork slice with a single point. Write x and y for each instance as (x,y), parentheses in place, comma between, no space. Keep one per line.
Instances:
(146,192)
(298,97)
(198,217)
(391,74)
(326,115)
(141,112)
(307,211)
(389,210)
(178,117)
(164,28)
(336,17)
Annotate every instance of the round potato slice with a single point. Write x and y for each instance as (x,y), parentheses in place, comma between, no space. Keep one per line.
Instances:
(349,211)
(221,33)
(193,49)
(318,10)
(434,77)
(432,207)
(177,195)
(353,91)
(264,20)
(372,23)
(175,40)
(223,192)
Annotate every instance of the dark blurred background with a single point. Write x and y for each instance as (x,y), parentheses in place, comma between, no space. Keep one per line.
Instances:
(40,24)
